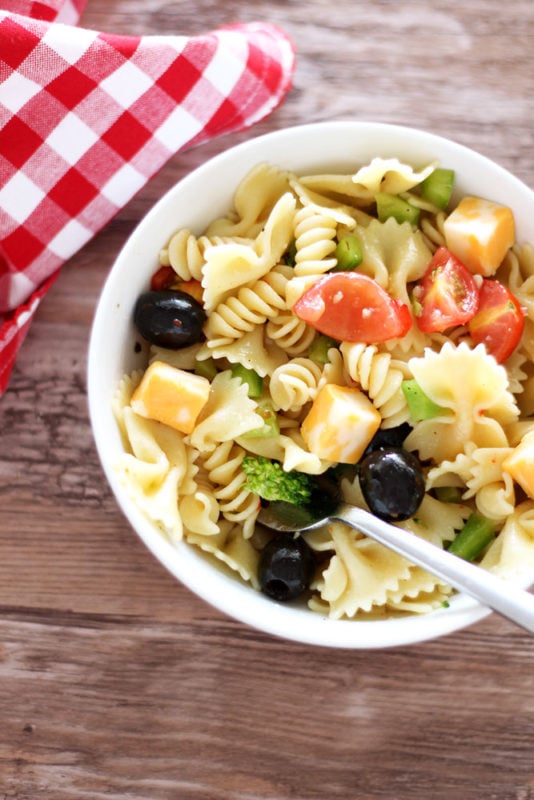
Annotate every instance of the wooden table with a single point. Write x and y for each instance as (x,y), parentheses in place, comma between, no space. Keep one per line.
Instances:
(115,681)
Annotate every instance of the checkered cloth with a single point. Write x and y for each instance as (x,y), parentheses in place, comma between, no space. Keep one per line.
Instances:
(87,118)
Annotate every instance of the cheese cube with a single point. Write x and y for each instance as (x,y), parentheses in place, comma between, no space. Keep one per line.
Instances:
(480,232)
(170,395)
(340,424)
(520,464)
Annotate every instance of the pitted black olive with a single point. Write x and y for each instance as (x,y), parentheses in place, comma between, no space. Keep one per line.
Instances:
(388,437)
(169,318)
(392,483)
(286,567)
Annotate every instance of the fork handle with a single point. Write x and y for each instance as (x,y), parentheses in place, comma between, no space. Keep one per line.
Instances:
(513,603)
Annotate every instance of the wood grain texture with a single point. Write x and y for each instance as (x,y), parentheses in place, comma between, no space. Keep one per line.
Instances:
(115,681)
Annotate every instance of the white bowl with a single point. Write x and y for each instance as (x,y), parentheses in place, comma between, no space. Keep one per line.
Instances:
(194,202)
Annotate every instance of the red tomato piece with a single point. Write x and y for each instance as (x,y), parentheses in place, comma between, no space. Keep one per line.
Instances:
(499,322)
(352,307)
(163,278)
(447,294)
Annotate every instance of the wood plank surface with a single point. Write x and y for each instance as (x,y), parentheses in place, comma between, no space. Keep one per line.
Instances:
(115,681)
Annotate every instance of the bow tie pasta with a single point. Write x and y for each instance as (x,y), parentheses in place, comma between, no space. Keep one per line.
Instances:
(472,391)
(348,317)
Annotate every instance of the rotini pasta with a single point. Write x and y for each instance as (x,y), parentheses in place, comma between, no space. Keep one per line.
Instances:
(294,384)
(185,253)
(381,378)
(236,502)
(290,333)
(315,234)
(251,306)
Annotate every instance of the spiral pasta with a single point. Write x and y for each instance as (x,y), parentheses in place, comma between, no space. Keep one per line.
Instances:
(518,267)
(185,253)
(432,230)
(290,333)
(251,306)
(236,502)
(381,377)
(295,383)
(315,234)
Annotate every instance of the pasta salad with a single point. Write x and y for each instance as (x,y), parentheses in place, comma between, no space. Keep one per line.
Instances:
(365,328)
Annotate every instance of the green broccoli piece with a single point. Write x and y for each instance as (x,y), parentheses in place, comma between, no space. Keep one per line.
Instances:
(268,480)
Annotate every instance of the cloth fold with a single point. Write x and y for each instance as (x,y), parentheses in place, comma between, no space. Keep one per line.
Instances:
(87,118)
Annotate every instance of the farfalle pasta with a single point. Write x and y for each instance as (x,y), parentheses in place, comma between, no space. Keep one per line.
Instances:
(479,472)
(231,265)
(395,254)
(254,200)
(278,386)
(229,413)
(472,389)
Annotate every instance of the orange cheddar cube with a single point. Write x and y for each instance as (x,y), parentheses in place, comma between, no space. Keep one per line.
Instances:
(520,464)
(340,424)
(170,395)
(480,232)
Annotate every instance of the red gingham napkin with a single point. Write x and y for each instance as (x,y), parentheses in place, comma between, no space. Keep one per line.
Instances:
(87,118)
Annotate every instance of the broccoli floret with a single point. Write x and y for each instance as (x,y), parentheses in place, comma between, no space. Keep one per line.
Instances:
(267,479)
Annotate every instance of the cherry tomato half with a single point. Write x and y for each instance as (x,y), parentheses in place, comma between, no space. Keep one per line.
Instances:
(352,307)
(499,322)
(447,294)
(163,278)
